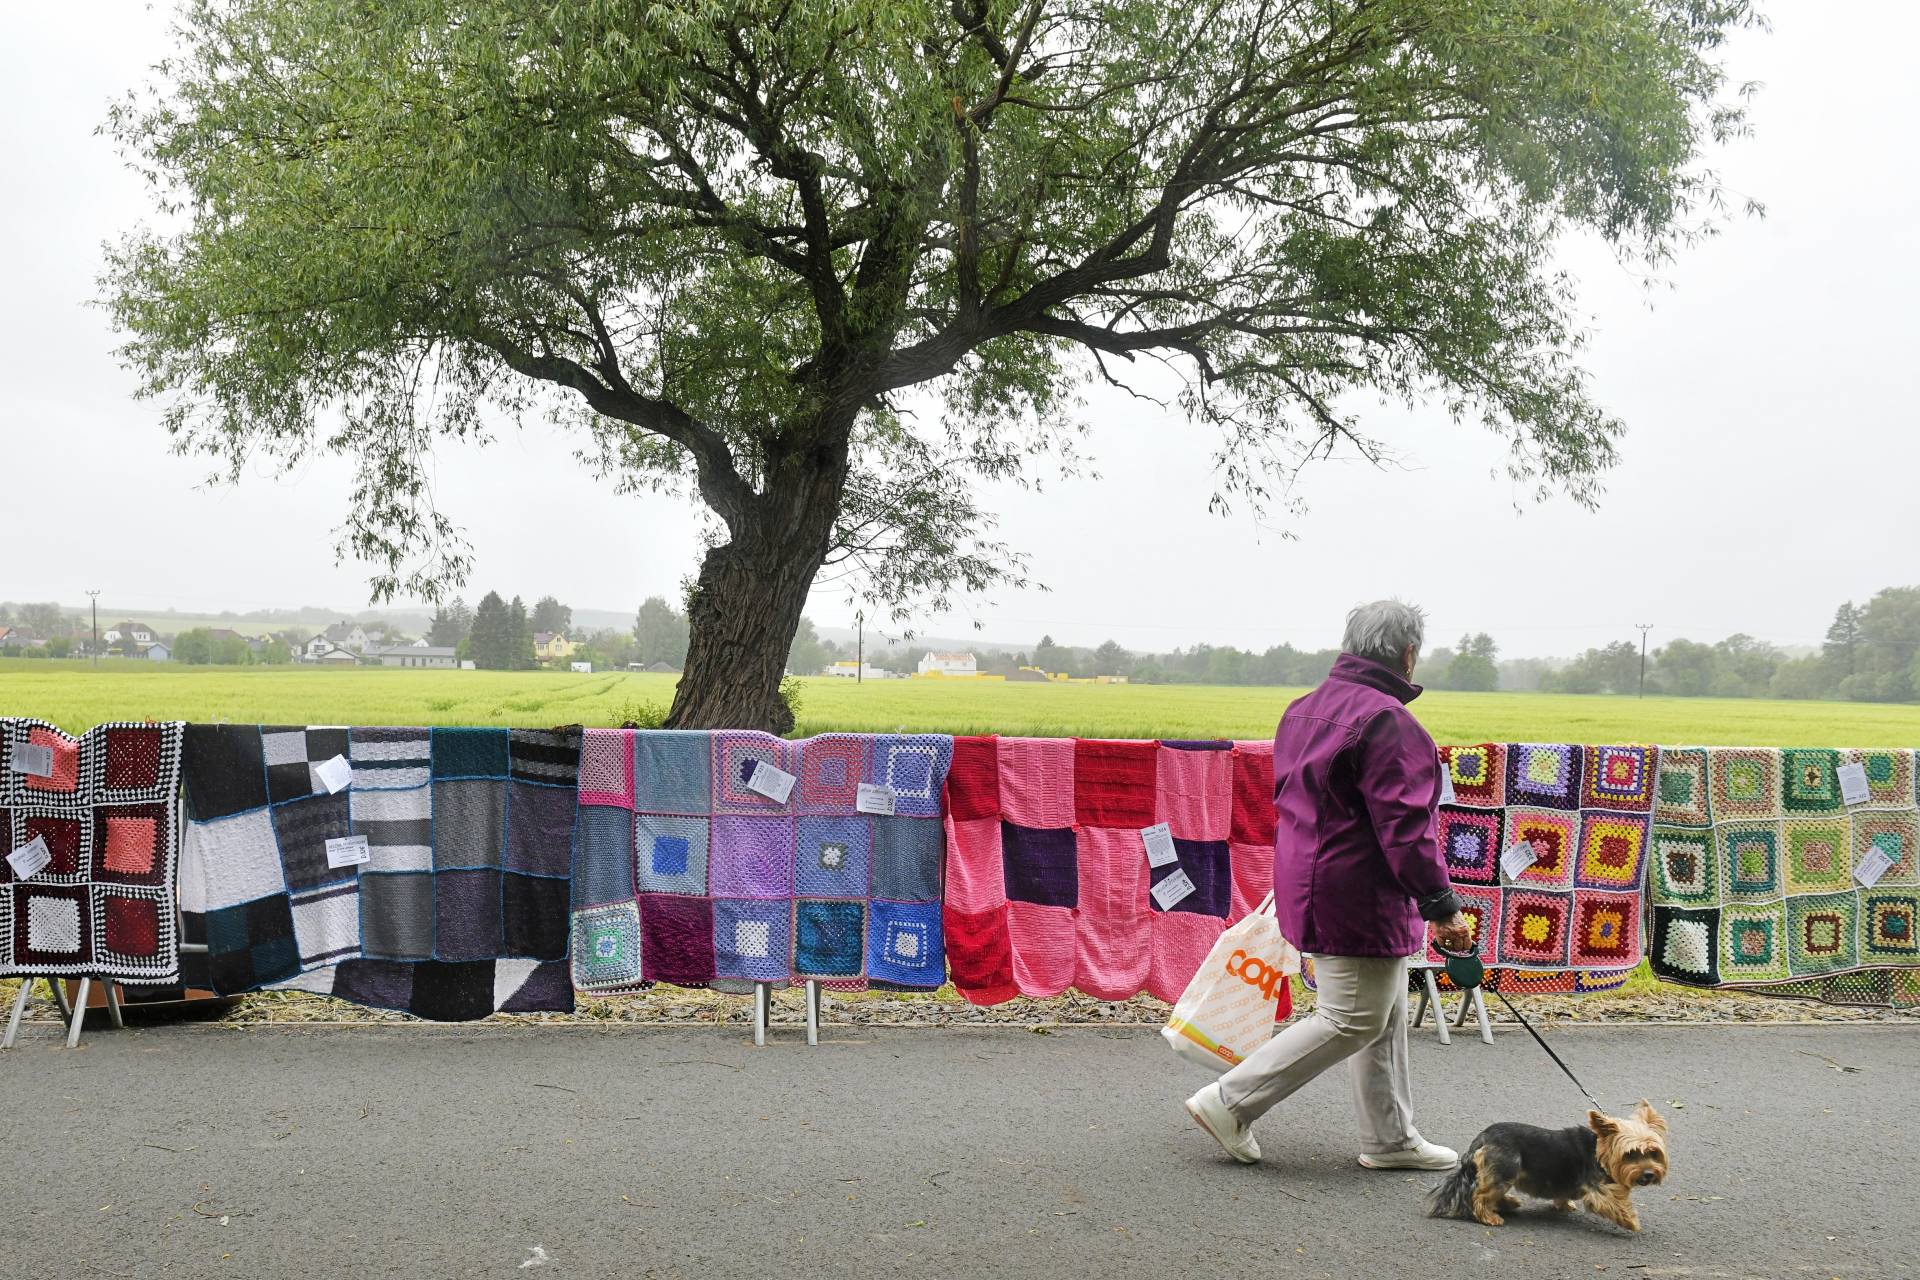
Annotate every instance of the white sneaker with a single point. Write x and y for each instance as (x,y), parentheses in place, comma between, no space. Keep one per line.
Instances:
(1211,1114)
(1427,1155)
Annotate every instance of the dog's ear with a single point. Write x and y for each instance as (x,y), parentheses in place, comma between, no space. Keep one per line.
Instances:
(1647,1116)
(1602,1125)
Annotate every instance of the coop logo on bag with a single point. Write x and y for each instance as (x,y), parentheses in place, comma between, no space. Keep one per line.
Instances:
(1254,971)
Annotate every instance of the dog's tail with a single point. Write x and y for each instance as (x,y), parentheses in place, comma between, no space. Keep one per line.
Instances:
(1453,1198)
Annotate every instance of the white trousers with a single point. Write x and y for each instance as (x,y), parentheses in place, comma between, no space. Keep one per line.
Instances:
(1360,1013)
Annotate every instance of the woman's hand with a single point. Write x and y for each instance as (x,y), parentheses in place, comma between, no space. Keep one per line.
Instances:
(1453,933)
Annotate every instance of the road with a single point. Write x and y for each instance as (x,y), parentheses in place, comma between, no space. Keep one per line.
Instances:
(577,1151)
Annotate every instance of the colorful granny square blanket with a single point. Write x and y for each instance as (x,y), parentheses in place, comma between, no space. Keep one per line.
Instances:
(106,807)
(1753,861)
(1048,883)
(459,908)
(683,872)
(1585,812)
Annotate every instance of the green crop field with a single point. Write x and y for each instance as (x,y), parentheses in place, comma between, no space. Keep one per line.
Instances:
(74,696)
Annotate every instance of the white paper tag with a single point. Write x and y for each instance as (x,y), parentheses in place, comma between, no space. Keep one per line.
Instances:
(335,775)
(1872,865)
(1517,859)
(33,758)
(1446,783)
(28,860)
(874,797)
(1171,890)
(1159,841)
(348,851)
(1853,783)
(774,784)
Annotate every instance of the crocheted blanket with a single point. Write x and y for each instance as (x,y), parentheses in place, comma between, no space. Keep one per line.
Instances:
(1754,865)
(1048,880)
(99,815)
(416,869)
(1583,812)
(1049,885)
(683,872)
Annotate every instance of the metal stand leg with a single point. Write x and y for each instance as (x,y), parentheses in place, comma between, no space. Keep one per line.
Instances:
(79,1012)
(59,988)
(1430,995)
(762,1008)
(19,1007)
(813,1013)
(1480,1011)
(113,1004)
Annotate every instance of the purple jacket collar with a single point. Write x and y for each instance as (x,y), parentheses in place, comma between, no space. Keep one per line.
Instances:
(1357,670)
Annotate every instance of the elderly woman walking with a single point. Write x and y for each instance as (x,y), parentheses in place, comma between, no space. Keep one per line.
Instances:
(1356,870)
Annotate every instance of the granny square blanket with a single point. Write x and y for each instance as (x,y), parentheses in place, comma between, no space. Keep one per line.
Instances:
(109,814)
(1585,811)
(1754,851)
(461,907)
(682,873)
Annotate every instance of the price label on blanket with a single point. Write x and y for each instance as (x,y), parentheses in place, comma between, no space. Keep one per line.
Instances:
(1853,783)
(30,858)
(348,851)
(1172,890)
(774,784)
(874,797)
(1159,841)
(336,775)
(32,758)
(1518,858)
(1446,784)
(1872,865)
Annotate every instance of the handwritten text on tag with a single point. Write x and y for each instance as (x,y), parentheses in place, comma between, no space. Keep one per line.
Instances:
(30,858)
(874,797)
(1172,890)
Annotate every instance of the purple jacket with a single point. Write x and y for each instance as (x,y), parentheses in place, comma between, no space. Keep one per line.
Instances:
(1355,781)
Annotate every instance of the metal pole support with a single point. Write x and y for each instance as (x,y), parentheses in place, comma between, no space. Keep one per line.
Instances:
(19,1007)
(79,1017)
(762,1011)
(1430,999)
(813,1013)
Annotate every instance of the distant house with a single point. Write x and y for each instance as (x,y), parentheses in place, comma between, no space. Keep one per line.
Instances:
(346,635)
(949,664)
(17,638)
(664,668)
(337,657)
(412,655)
(137,632)
(552,646)
(157,652)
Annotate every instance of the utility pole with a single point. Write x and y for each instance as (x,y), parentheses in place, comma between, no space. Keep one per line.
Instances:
(860,646)
(1644,628)
(94,595)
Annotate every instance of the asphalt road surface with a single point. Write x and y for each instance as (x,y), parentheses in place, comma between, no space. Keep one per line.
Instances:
(549,1152)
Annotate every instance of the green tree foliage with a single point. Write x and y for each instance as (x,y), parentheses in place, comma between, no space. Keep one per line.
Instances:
(491,640)
(194,646)
(450,624)
(550,615)
(1843,642)
(733,234)
(808,655)
(1111,660)
(660,631)
(276,652)
(1476,666)
(520,629)
(1050,657)
(59,647)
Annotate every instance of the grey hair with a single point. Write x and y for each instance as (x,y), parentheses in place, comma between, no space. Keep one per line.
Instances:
(1381,631)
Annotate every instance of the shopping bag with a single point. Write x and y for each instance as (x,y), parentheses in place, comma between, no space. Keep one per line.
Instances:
(1241,990)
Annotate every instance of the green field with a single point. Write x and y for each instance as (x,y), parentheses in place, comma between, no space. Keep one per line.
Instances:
(74,696)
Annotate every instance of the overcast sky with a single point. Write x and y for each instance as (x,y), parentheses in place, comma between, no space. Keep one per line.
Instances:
(1772,468)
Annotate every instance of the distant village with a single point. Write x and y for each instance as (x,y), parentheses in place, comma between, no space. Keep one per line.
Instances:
(343,644)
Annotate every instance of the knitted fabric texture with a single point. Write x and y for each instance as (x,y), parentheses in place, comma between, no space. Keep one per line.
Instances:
(1584,811)
(108,813)
(1752,883)
(461,907)
(683,873)
(1048,885)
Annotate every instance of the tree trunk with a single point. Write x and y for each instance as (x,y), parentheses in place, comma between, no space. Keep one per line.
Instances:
(743,614)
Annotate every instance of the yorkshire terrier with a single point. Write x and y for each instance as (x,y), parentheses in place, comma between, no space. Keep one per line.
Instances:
(1597,1165)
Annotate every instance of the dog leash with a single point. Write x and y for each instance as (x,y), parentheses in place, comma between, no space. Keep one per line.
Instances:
(1477,972)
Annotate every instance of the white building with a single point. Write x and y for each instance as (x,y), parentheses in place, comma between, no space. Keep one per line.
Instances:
(411,655)
(949,664)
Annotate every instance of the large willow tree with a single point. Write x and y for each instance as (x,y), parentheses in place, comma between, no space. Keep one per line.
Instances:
(828,263)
